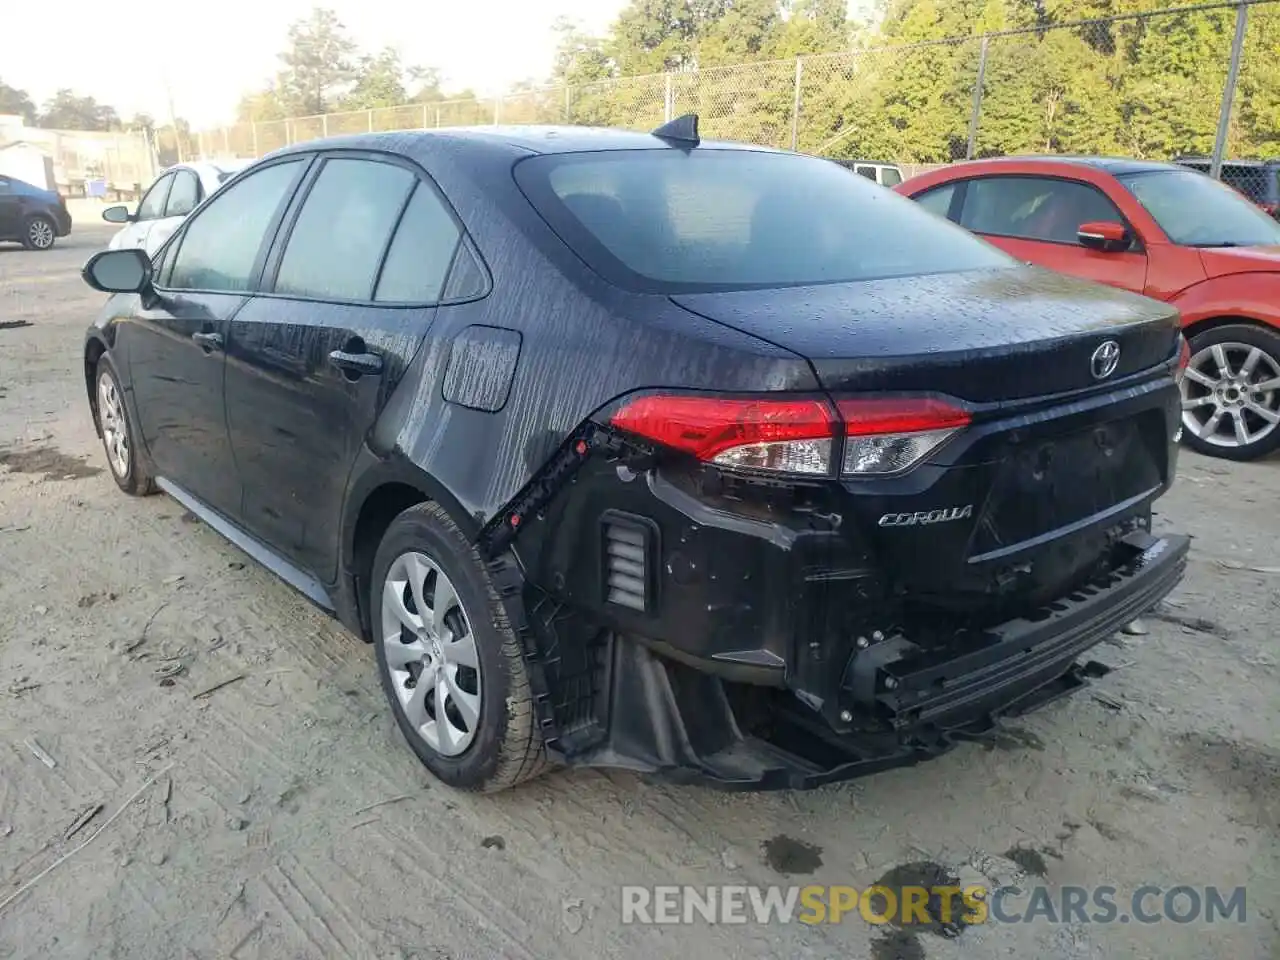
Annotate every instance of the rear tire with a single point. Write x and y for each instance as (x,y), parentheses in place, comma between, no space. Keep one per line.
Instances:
(442,635)
(39,233)
(127,463)
(1231,392)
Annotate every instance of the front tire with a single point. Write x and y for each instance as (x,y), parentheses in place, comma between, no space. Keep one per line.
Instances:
(39,233)
(1231,392)
(450,664)
(128,466)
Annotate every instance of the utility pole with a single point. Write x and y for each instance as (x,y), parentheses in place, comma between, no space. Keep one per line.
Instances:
(173,114)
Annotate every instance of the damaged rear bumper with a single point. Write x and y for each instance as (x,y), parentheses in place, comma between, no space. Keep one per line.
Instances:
(903,704)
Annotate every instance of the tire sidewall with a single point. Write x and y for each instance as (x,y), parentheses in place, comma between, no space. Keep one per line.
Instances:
(1265,339)
(420,532)
(26,236)
(105,368)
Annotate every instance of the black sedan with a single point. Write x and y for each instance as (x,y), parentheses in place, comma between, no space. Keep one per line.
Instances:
(637,450)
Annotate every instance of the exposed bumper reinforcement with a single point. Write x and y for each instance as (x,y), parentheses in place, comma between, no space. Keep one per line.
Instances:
(669,720)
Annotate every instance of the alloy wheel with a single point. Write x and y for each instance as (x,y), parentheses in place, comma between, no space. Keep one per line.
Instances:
(431,653)
(1231,395)
(115,429)
(40,233)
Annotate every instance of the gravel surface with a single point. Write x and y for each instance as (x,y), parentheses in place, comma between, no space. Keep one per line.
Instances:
(281,815)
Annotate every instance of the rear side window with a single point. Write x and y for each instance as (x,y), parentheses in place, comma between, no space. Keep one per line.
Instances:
(683,221)
(1033,208)
(183,195)
(868,172)
(421,252)
(346,222)
(220,244)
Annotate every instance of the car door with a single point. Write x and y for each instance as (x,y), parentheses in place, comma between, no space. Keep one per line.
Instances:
(10,210)
(184,194)
(174,344)
(354,282)
(150,209)
(1036,219)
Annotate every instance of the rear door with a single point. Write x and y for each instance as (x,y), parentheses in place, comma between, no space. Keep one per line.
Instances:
(174,346)
(354,281)
(184,194)
(1036,218)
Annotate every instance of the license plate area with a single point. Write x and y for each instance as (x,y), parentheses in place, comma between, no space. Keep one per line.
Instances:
(1046,484)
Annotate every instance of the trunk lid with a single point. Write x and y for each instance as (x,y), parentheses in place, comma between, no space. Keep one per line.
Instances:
(982,335)
(1020,507)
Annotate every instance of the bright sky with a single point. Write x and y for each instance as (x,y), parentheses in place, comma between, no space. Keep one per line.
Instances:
(215,51)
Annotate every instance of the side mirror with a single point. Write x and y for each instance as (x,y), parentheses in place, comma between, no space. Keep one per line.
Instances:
(1105,235)
(118,214)
(118,271)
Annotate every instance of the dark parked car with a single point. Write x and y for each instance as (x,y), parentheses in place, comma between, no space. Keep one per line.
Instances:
(31,215)
(633,450)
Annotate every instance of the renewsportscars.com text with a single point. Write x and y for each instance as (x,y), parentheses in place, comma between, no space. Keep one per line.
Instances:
(908,905)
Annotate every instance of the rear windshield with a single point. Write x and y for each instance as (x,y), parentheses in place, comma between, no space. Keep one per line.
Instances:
(705,219)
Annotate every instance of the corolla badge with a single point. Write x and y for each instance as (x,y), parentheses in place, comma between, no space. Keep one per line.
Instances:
(1105,359)
(926,516)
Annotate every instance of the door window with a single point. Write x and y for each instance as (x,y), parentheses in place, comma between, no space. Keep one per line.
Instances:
(342,232)
(219,247)
(938,200)
(890,177)
(152,205)
(1033,208)
(183,195)
(421,252)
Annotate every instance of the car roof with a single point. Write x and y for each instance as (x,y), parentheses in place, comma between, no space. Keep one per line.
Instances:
(1112,165)
(515,139)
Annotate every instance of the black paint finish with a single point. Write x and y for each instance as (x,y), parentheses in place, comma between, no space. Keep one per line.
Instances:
(473,401)
(482,363)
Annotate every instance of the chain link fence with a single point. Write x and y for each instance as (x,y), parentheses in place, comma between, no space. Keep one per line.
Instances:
(1198,81)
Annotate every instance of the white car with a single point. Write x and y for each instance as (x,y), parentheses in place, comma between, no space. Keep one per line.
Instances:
(167,202)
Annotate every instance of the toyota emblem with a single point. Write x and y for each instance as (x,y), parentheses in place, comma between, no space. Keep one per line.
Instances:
(1105,359)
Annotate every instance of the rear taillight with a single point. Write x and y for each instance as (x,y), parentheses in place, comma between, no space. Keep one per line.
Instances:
(888,435)
(789,436)
(1184,360)
(883,435)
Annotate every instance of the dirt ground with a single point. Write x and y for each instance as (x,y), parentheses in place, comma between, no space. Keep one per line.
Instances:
(281,815)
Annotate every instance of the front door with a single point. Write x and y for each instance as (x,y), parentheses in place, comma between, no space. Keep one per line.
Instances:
(175,346)
(184,194)
(1036,220)
(150,209)
(311,364)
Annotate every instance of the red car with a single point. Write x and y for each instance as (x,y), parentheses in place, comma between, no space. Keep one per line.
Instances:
(1158,229)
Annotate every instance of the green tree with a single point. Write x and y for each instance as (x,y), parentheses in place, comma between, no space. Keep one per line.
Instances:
(69,111)
(379,82)
(318,65)
(15,102)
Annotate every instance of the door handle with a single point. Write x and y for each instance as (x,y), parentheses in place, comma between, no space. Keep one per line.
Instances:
(356,364)
(208,341)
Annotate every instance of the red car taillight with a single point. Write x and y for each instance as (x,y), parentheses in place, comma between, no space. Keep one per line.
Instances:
(883,434)
(790,436)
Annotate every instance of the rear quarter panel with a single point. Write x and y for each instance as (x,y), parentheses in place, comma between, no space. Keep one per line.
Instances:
(582,344)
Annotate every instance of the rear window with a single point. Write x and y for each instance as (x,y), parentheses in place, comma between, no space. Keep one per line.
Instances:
(685,221)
